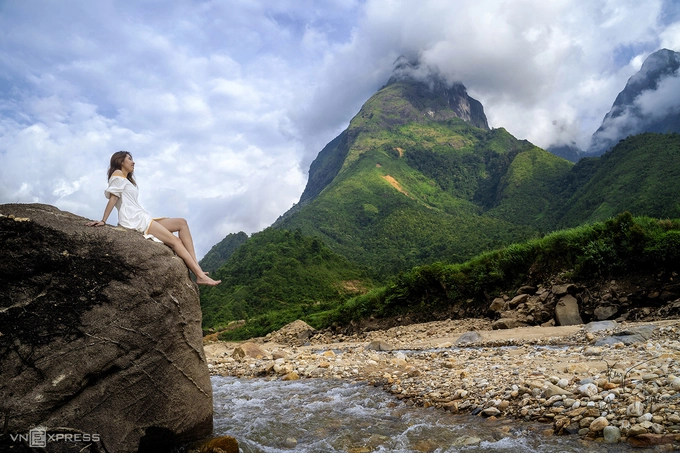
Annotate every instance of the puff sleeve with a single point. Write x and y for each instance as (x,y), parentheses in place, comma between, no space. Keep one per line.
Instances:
(116,187)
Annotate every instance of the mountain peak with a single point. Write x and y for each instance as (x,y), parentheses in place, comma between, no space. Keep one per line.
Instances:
(650,102)
(414,94)
(431,95)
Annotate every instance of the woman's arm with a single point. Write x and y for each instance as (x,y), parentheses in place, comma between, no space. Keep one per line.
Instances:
(107,211)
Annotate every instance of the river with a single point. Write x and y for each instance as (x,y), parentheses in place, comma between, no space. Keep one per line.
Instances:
(327,416)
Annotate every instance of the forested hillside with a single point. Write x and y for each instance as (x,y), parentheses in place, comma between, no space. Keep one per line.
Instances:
(220,252)
(283,274)
(641,175)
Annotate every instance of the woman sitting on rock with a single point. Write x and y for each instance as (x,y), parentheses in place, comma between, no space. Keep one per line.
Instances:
(122,193)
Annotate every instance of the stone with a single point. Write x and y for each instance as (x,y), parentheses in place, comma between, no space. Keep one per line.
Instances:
(466,440)
(498,305)
(249,349)
(635,409)
(451,406)
(305,335)
(566,311)
(515,301)
(626,340)
(560,290)
(290,442)
(648,439)
(611,434)
(588,389)
(591,412)
(636,430)
(598,424)
(223,444)
(645,331)
(279,355)
(604,312)
(527,289)
(675,384)
(112,325)
(292,333)
(469,337)
(491,411)
(506,323)
(592,351)
(379,345)
(552,390)
(292,376)
(585,422)
(600,325)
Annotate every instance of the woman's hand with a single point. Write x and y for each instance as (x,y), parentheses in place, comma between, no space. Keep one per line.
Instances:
(96,224)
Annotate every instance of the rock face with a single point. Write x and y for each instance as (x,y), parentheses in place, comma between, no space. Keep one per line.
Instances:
(434,96)
(637,108)
(100,331)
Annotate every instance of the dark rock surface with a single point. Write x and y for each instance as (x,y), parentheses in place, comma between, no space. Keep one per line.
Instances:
(628,117)
(100,332)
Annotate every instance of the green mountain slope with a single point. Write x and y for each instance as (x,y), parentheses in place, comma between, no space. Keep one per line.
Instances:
(410,182)
(641,175)
(220,252)
(284,274)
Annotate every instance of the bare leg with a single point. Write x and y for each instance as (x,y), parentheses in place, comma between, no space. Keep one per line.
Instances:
(178,225)
(162,233)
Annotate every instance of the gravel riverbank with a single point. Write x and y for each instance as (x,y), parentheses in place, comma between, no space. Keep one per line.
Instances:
(608,382)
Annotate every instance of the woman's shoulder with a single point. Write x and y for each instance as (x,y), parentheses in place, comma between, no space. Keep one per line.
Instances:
(117,176)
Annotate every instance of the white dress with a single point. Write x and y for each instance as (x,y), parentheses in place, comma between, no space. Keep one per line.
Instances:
(130,213)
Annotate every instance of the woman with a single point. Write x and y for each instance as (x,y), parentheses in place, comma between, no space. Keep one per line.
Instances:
(122,193)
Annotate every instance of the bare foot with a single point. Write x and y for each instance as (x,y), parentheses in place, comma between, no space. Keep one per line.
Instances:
(204,280)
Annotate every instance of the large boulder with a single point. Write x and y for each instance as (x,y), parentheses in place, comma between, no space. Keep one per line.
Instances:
(566,311)
(100,334)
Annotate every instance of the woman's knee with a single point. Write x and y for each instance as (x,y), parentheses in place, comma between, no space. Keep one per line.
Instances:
(179,223)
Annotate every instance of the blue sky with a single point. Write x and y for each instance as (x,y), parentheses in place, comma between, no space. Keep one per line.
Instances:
(224,104)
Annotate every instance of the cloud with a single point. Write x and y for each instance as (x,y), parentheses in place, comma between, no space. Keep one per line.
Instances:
(543,70)
(663,101)
(225,104)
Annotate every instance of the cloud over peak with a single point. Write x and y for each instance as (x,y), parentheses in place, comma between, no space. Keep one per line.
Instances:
(224,105)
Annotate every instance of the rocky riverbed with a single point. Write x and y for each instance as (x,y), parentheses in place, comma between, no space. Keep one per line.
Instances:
(608,382)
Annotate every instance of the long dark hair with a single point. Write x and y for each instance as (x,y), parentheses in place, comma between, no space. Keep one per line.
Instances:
(117,163)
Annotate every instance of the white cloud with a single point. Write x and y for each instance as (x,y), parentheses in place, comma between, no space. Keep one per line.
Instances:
(663,101)
(225,104)
(670,37)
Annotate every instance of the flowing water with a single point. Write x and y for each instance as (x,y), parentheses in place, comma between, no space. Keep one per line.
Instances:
(326,416)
